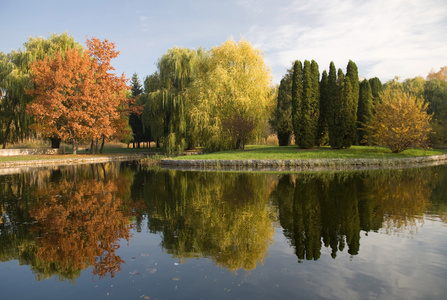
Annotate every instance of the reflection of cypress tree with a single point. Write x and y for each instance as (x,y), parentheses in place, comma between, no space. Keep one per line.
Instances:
(307,219)
(324,207)
(343,214)
(283,194)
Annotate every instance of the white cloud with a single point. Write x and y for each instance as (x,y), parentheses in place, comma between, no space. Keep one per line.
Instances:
(387,38)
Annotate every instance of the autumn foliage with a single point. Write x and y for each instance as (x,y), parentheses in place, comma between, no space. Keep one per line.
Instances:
(76,95)
(400,122)
(80,225)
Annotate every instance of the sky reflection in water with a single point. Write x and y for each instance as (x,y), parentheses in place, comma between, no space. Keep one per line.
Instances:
(120,231)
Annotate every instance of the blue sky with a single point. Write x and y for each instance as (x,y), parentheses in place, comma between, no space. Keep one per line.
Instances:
(385,38)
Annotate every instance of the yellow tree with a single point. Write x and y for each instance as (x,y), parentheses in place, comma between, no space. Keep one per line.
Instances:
(231,96)
(400,121)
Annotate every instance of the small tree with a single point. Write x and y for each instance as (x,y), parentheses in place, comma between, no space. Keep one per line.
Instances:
(400,122)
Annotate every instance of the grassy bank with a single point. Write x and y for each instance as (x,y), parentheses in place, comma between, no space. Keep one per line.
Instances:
(292,152)
(109,150)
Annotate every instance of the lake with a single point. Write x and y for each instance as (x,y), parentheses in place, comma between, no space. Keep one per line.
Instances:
(125,231)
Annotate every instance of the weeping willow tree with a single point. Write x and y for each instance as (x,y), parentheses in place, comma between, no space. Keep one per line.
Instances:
(231,97)
(165,114)
(15,80)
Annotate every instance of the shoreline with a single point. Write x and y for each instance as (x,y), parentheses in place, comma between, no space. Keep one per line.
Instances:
(11,167)
(249,165)
(303,164)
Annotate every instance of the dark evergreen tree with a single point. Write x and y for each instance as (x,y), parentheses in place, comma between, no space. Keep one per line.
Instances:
(376,88)
(282,116)
(353,75)
(134,119)
(315,104)
(364,109)
(297,89)
(322,131)
(339,112)
(347,114)
(307,130)
(333,113)
(137,88)
(309,105)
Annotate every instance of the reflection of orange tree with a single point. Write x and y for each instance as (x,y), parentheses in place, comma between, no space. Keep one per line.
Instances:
(80,224)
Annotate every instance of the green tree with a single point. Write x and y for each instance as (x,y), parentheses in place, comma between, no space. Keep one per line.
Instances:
(333,103)
(165,99)
(135,119)
(414,86)
(353,75)
(231,96)
(322,132)
(297,91)
(435,93)
(347,113)
(364,111)
(15,79)
(282,116)
(376,88)
(309,110)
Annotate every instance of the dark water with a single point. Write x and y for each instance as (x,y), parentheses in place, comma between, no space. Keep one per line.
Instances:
(122,231)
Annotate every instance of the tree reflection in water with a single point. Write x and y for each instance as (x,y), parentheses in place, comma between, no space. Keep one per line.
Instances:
(78,217)
(333,208)
(223,216)
(63,221)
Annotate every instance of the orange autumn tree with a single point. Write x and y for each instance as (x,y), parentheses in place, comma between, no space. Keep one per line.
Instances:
(77,97)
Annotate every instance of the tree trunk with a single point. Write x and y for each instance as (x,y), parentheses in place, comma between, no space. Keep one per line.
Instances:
(92,144)
(7,133)
(102,144)
(74,146)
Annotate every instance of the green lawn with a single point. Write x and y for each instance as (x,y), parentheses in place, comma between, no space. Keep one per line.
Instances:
(251,152)
(292,152)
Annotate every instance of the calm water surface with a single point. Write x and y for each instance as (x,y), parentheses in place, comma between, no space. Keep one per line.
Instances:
(122,231)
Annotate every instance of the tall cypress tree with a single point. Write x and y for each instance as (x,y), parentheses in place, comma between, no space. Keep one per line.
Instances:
(322,131)
(347,114)
(364,110)
(297,89)
(315,104)
(333,108)
(353,75)
(376,88)
(282,116)
(306,137)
